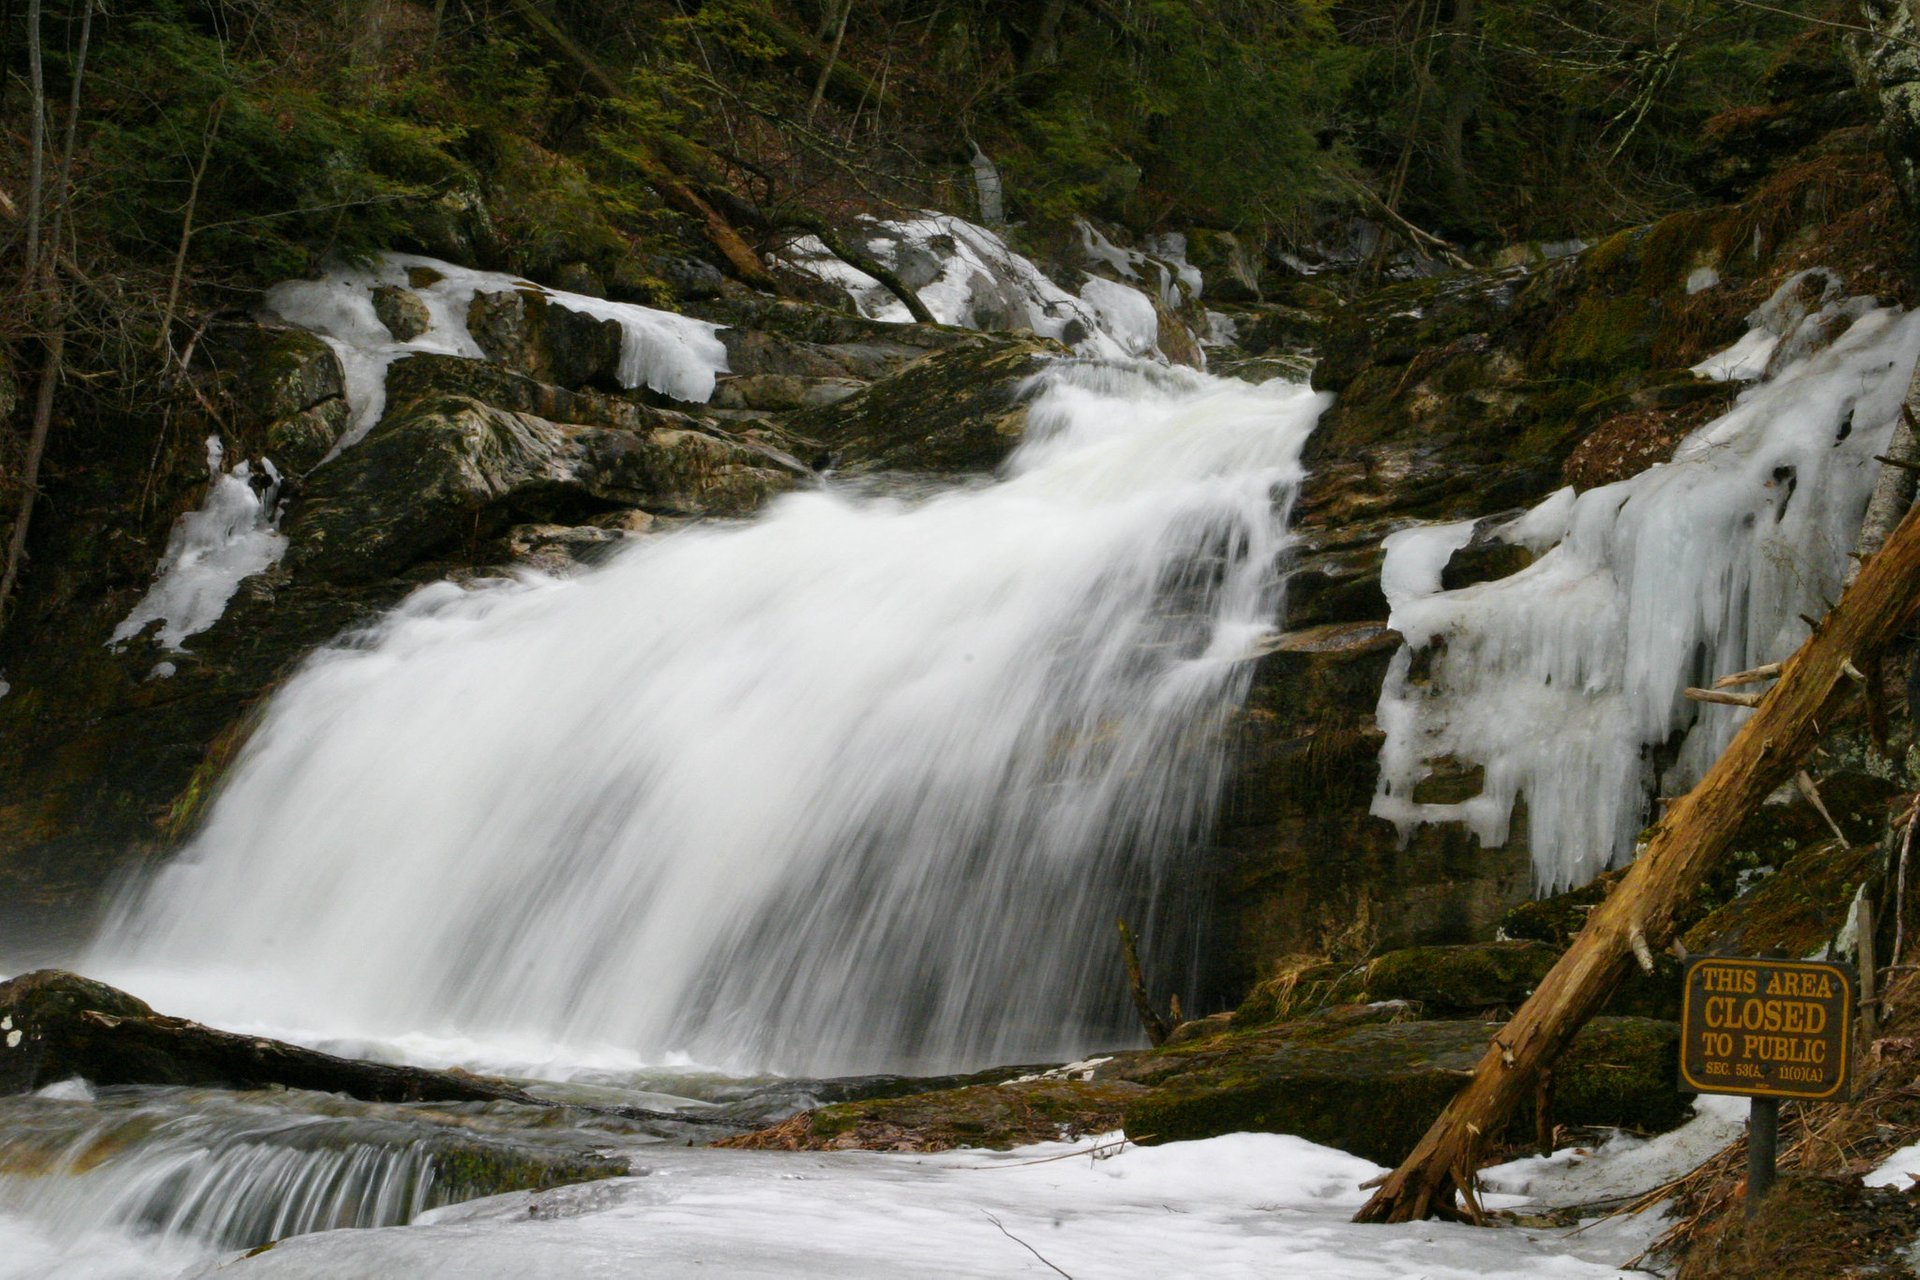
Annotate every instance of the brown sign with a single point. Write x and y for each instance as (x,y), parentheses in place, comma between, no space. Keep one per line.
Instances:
(1767,1028)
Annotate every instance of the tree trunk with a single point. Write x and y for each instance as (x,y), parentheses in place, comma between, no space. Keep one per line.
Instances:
(1638,916)
(860,262)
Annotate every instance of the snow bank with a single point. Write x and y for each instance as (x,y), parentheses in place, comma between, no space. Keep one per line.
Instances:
(967,276)
(1241,1205)
(675,355)
(232,536)
(1565,679)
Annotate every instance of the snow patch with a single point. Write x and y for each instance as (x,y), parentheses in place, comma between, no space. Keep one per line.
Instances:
(234,535)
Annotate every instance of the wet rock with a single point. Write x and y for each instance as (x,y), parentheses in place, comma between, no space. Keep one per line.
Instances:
(780,393)
(470,468)
(958,410)
(403,311)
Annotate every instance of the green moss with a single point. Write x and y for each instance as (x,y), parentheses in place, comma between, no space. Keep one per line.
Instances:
(471,1170)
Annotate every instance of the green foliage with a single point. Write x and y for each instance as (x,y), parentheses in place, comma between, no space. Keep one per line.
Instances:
(1212,111)
(272,171)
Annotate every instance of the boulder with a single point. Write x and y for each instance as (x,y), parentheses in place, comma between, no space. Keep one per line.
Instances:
(403,311)
(1373,1089)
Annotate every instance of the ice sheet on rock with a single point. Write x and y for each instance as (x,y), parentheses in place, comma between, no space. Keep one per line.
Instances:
(1800,315)
(1241,1205)
(1126,314)
(675,355)
(1416,558)
(1564,680)
(210,552)
(967,276)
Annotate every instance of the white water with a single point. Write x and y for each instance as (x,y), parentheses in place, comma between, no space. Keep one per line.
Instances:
(1565,680)
(860,785)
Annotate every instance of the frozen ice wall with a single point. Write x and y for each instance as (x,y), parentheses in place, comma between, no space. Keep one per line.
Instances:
(675,355)
(233,535)
(1564,681)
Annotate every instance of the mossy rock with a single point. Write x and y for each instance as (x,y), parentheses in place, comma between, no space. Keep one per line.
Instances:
(1797,910)
(1374,1089)
(954,411)
(1451,980)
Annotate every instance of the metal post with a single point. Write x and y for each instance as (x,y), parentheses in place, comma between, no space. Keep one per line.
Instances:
(1763,1133)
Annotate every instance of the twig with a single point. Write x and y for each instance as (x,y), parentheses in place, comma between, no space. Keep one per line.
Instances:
(1727,699)
(1812,794)
(1023,1244)
(1771,671)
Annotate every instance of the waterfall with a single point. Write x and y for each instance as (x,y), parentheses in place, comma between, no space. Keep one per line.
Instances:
(858,785)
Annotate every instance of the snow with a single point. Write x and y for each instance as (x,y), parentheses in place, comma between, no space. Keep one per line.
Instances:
(1561,679)
(675,355)
(1232,1206)
(1700,279)
(210,551)
(968,276)
(1901,1169)
(1623,1166)
(1744,361)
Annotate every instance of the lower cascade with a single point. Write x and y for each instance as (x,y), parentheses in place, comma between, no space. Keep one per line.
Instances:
(858,785)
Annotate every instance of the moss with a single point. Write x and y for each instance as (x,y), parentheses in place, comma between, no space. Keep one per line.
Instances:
(471,1169)
(1374,1089)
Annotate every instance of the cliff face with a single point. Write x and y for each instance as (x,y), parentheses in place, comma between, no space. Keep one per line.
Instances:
(1461,396)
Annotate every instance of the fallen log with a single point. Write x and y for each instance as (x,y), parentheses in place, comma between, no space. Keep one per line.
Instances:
(55,1025)
(1695,832)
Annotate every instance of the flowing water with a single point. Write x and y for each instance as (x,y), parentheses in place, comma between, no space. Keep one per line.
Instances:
(859,785)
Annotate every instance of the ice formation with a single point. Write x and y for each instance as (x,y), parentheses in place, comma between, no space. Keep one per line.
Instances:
(675,355)
(1564,681)
(967,276)
(210,551)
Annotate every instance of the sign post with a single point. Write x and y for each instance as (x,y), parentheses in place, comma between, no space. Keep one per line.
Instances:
(1766,1029)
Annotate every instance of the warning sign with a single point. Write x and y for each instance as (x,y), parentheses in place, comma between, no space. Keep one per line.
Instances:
(1767,1028)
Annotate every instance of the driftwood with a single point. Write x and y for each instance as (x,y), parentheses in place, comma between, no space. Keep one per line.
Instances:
(1638,915)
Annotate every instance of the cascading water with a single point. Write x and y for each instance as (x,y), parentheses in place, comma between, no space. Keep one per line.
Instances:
(858,785)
